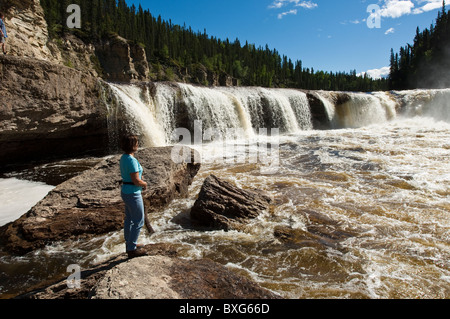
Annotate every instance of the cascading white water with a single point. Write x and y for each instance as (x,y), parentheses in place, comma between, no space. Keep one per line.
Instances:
(300,106)
(239,112)
(426,103)
(326,99)
(245,110)
(361,110)
(287,109)
(141,114)
(216,109)
(376,195)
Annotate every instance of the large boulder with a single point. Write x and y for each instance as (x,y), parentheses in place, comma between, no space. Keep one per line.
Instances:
(222,205)
(171,278)
(159,275)
(90,204)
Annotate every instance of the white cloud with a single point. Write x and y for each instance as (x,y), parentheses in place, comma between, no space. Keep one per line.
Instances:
(278,4)
(429,6)
(306,4)
(377,73)
(398,8)
(388,31)
(281,15)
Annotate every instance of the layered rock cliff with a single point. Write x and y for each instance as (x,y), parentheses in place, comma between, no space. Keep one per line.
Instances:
(49,110)
(27,30)
(122,61)
(53,101)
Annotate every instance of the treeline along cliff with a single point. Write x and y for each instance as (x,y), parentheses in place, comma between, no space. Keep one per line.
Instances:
(175,51)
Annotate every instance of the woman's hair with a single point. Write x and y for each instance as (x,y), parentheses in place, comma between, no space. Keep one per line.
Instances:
(130,144)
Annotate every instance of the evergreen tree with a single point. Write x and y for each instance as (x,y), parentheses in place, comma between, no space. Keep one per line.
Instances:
(175,48)
(425,64)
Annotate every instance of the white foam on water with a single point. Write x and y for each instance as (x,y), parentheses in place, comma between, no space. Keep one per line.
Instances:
(383,178)
(18,196)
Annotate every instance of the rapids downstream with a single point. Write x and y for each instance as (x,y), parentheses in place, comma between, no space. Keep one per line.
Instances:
(376,165)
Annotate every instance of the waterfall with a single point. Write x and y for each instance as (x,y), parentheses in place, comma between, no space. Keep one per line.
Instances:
(361,110)
(215,108)
(141,114)
(155,110)
(425,103)
(232,112)
(353,110)
(329,105)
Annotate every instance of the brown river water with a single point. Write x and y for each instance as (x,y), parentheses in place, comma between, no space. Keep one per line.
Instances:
(380,194)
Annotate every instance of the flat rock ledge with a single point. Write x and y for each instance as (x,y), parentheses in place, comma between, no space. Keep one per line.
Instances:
(160,275)
(90,204)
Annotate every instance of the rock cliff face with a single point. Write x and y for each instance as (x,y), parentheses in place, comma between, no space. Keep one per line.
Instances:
(49,110)
(121,61)
(113,59)
(27,30)
(52,97)
(90,204)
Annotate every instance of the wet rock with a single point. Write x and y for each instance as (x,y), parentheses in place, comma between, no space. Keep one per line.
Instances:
(221,205)
(159,275)
(321,232)
(90,204)
(319,113)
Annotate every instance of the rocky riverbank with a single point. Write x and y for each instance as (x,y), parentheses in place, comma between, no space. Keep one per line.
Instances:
(159,275)
(90,204)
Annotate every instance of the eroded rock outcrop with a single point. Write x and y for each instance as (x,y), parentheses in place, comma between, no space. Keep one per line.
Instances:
(27,30)
(222,205)
(122,61)
(49,110)
(90,204)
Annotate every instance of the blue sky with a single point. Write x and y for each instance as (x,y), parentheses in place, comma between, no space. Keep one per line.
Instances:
(327,35)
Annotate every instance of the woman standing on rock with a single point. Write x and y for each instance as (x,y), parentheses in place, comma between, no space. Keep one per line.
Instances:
(3,34)
(132,187)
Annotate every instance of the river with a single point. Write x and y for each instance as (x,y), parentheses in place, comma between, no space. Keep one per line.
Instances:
(378,179)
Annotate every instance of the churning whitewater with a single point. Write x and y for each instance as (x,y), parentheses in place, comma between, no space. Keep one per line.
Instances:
(373,181)
(158,110)
(365,175)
